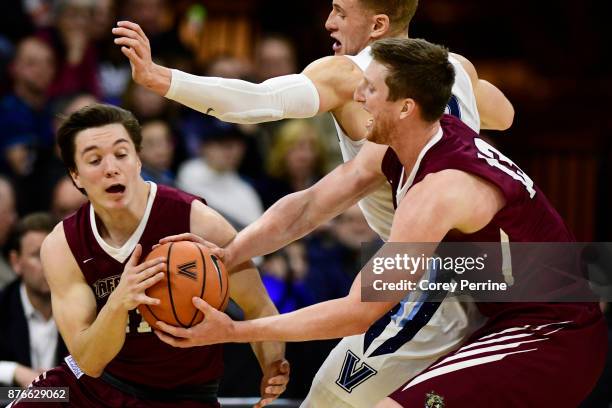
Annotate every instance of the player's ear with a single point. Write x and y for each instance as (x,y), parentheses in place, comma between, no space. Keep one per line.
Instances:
(408,108)
(381,26)
(74,175)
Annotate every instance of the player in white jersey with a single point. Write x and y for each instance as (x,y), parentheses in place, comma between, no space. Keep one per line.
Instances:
(362,369)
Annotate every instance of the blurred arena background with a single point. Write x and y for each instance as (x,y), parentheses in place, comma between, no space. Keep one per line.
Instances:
(551,58)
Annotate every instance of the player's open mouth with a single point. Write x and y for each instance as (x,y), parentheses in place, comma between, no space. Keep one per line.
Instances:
(337,45)
(116,189)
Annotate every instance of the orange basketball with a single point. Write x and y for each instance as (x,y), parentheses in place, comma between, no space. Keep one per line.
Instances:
(192,271)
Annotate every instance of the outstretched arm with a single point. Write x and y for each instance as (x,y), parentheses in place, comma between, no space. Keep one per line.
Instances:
(443,201)
(322,85)
(495,110)
(297,214)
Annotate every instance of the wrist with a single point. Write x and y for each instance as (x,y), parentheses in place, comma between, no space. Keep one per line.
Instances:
(158,79)
(114,305)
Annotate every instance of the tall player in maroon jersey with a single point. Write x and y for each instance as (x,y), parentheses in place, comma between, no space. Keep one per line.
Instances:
(450,185)
(91,261)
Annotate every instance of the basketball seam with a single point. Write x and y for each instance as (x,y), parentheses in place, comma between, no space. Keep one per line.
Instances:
(170,288)
(212,257)
(203,282)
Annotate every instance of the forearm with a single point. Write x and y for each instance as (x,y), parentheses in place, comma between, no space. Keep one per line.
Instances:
(327,320)
(287,220)
(96,346)
(237,101)
(248,290)
(269,351)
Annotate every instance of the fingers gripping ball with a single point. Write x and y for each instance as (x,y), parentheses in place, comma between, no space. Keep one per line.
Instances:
(192,271)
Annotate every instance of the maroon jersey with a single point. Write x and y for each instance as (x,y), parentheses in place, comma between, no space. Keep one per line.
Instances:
(527,216)
(144,359)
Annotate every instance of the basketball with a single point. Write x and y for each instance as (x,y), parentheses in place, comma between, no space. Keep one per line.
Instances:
(192,271)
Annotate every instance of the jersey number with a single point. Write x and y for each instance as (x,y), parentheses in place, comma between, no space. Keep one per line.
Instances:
(496,159)
(351,376)
(143,326)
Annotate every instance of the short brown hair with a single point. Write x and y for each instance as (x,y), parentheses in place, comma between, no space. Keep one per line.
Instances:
(418,70)
(94,116)
(400,12)
(35,222)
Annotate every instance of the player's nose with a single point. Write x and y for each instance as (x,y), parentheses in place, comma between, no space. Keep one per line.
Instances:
(111,167)
(330,24)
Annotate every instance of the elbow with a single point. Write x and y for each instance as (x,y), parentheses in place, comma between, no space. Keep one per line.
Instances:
(507,119)
(499,122)
(94,372)
(89,368)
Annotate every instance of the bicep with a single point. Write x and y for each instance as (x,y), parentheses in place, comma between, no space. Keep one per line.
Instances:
(495,110)
(335,78)
(73,302)
(210,225)
(248,290)
(450,199)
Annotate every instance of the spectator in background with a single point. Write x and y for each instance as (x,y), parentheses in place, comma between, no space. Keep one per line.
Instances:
(31,343)
(76,56)
(35,191)
(274,56)
(66,198)
(25,117)
(8,217)
(114,72)
(335,255)
(214,175)
(297,160)
(283,275)
(146,105)
(193,123)
(157,152)
(157,19)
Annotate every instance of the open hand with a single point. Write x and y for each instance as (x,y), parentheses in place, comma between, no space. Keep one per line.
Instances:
(217,327)
(136,279)
(135,45)
(274,382)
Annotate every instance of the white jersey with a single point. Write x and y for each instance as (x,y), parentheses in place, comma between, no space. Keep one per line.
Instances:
(363,369)
(378,206)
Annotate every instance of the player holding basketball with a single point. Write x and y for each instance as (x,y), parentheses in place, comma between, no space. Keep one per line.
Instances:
(327,85)
(92,263)
(450,185)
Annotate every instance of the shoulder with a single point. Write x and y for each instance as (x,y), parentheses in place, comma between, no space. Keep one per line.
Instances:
(466,65)
(337,72)
(210,225)
(55,242)
(55,249)
(58,261)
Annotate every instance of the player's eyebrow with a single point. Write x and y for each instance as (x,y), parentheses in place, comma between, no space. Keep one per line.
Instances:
(338,8)
(94,147)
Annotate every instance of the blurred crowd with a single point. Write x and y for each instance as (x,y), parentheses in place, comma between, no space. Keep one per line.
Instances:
(58,56)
